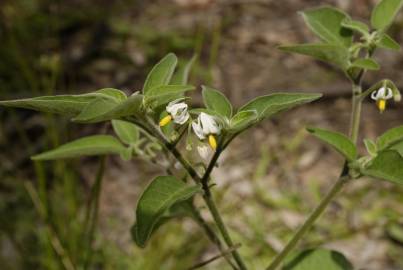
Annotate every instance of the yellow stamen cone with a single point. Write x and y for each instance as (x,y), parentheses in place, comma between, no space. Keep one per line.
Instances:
(212,141)
(381,105)
(165,121)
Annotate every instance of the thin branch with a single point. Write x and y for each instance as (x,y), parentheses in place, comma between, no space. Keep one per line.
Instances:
(212,259)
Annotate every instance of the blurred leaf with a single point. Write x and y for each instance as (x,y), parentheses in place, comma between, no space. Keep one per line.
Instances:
(384,13)
(126,131)
(94,109)
(165,93)
(181,77)
(398,147)
(335,54)
(326,23)
(387,165)
(112,93)
(317,259)
(216,101)
(242,120)
(338,141)
(161,73)
(390,137)
(157,198)
(87,146)
(266,106)
(355,26)
(371,147)
(365,63)
(387,42)
(395,232)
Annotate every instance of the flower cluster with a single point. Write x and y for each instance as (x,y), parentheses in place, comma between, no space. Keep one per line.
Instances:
(204,127)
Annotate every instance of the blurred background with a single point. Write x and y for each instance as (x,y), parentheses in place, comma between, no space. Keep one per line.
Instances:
(266,183)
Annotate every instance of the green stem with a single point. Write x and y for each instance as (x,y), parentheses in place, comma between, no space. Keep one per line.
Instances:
(309,222)
(149,127)
(354,130)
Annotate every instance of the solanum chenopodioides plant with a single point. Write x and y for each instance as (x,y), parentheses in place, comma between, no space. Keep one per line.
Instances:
(159,125)
(350,45)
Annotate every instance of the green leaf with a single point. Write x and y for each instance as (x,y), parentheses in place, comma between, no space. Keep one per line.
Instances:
(387,165)
(371,147)
(126,131)
(182,75)
(242,120)
(387,42)
(317,259)
(216,101)
(398,147)
(365,63)
(384,13)
(112,93)
(334,54)
(164,94)
(157,198)
(389,138)
(338,141)
(99,111)
(355,26)
(326,23)
(161,73)
(268,105)
(87,146)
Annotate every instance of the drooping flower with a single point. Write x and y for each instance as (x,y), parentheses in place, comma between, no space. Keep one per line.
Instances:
(177,112)
(204,152)
(206,126)
(381,96)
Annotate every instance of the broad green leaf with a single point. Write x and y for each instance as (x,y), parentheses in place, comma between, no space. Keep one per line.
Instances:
(158,197)
(334,54)
(87,146)
(398,147)
(326,23)
(384,13)
(371,147)
(161,73)
(365,63)
(126,131)
(112,93)
(181,76)
(387,42)
(389,138)
(99,111)
(242,120)
(268,105)
(216,101)
(387,165)
(317,259)
(69,105)
(338,141)
(355,26)
(163,94)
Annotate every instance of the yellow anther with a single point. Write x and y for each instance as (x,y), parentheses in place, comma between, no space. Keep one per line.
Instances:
(212,141)
(165,121)
(381,104)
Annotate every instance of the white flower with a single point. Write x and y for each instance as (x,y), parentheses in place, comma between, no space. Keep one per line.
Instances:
(380,96)
(204,152)
(177,111)
(206,126)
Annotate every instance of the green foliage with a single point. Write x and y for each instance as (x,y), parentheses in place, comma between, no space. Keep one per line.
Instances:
(389,138)
(335,54)
(217,102)
(365,63)
(357,26)
(317,259)
(326,23)
(87,146)
(181,76)
(387,42)
(371,147)
(338,141)
(161,73)
(384,13)
(266,106)
(157,198)
(387,165)
(243,120)
(126,131)
(165,93)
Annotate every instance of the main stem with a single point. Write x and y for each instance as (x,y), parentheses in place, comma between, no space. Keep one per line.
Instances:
(150,128)
(335,189)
